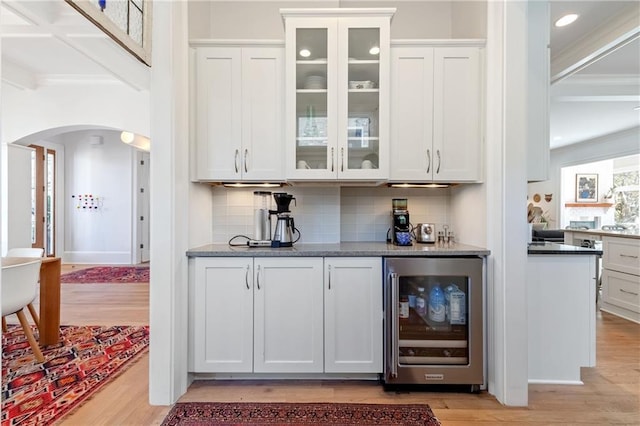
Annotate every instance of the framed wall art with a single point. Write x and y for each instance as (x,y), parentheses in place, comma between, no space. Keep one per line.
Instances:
(586,188)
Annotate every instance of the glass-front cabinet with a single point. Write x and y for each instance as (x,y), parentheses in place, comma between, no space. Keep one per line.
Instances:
(337,77)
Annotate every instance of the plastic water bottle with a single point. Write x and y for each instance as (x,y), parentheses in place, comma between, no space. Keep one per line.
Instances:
(421,303)
(436,304)
(457,305)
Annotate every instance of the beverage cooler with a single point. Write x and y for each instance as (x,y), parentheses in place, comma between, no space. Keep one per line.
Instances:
(434,321)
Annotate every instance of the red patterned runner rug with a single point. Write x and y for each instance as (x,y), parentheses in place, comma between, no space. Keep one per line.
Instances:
(108,274)
(86,358)
(248,413)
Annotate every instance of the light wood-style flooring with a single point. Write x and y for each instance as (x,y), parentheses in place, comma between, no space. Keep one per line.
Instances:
(610,395)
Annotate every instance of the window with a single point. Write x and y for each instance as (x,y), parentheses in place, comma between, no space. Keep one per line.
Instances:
(625,192)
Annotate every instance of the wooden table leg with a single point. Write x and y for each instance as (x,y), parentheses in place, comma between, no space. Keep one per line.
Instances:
(50,301)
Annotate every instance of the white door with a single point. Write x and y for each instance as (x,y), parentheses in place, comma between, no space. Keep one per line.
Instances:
(457,138)
(353,315)
(262,114)
(288,315)
(412,156)
(219,113)
(223,317)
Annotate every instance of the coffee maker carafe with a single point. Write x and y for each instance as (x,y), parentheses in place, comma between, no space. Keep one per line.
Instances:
(285,226)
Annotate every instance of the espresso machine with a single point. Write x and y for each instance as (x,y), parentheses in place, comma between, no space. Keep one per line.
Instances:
(401,228)
(285,227)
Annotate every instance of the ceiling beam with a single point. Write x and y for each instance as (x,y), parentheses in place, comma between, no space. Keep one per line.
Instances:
(18,76)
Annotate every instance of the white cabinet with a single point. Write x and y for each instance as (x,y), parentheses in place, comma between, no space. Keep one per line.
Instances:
(288,315)
(337,85)
(436,114)
(621,277)
(239,113)
(257,315)
(222,323)
(353,315)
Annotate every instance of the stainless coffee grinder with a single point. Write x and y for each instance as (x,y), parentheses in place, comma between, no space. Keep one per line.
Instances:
(262,203)
(285,226)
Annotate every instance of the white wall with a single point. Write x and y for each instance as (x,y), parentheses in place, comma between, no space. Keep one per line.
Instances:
(261,19)
(105,171)
(116,106)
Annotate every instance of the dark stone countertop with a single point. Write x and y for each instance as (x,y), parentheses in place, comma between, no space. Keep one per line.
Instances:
(346,249)
(561,249)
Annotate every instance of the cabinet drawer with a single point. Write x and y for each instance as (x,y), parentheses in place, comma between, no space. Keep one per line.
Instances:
(622,290)
(621,254)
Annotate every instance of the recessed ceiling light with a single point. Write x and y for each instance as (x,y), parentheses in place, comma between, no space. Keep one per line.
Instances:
(305,53)
(566,20)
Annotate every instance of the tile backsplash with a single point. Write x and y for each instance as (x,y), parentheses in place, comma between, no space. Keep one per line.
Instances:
(330,214)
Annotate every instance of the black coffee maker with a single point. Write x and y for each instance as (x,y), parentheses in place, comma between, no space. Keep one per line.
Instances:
(401,228)
(285,226)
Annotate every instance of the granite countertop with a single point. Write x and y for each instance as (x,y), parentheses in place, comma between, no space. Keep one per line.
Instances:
(554,248)
(353,249)
(629,233)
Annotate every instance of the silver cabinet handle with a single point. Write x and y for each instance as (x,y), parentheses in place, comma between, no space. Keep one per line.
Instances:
(628,292)
(329,267)
(332,169)
(438,154)
(628,255)
(393,277)
(258,277)
(342,159)
(246,152)
(428,161)
(235,160)
(246,278)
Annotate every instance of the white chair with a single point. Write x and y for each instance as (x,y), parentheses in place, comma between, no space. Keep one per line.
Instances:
(25,252)
(19,284)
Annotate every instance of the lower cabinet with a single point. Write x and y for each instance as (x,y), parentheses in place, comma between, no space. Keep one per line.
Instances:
(621,277)
(353,315)
(286,315)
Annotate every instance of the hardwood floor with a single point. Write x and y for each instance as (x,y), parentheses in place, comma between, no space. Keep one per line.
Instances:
(610,395)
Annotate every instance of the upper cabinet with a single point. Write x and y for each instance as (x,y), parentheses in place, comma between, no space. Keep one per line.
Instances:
(239,113)
(337,93)
(436,114)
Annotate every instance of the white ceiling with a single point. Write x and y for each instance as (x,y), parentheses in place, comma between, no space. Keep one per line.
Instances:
(48,42)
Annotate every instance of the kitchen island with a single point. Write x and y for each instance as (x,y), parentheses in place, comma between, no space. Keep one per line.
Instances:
(561,300)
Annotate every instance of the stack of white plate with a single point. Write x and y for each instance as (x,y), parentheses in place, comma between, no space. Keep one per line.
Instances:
(315,82)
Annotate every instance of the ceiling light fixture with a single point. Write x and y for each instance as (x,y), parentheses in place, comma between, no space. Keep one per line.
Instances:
(566,20)
(305,53)
(252,184)
(374,50)
(127,137)
(136,141)
(419,185)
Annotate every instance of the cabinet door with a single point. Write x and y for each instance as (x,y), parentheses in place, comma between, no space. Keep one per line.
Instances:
(621,254)
(219,113)
(353,315)
(262,113)
(412,114)
(223,317)
(288,315)
(457,138)
(363,98)
(311,79)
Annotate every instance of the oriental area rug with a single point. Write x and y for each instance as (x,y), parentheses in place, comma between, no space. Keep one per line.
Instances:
(247,413)
(108,274)
(86,358)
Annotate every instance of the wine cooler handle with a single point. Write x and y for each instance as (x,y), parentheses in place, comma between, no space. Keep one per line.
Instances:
(394,324)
